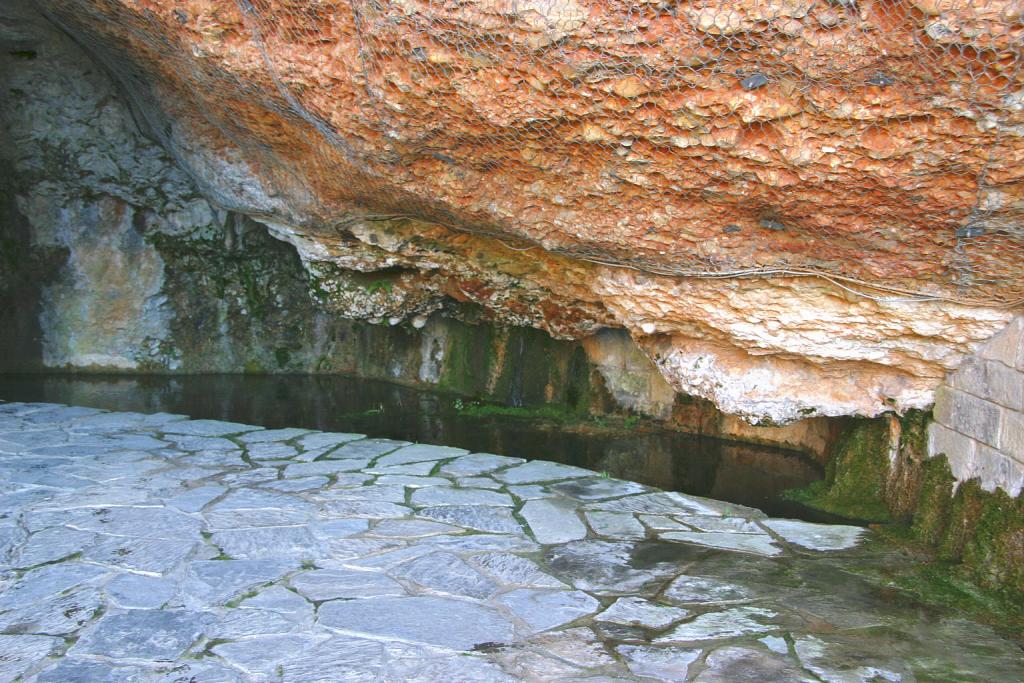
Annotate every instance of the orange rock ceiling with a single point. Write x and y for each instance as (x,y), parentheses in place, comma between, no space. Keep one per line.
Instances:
(877,143)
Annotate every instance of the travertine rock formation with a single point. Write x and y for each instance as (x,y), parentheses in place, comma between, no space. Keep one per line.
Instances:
(574,165)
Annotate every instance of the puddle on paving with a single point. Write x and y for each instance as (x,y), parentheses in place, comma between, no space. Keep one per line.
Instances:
(730,471)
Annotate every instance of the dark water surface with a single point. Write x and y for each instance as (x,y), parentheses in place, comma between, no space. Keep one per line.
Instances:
(735,472)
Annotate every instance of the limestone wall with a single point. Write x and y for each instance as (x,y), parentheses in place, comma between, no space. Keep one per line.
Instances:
(979,414)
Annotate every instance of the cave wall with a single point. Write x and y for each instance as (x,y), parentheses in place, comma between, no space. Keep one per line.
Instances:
(115,261)
(612,173)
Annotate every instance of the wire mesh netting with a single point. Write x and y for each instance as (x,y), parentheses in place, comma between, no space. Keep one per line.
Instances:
(875,143)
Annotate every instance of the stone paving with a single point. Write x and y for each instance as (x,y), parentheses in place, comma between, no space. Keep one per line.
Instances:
(156,548)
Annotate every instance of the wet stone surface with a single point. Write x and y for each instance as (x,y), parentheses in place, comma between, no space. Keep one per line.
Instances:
(156,548)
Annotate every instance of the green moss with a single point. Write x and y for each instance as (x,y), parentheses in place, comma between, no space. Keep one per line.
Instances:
(253,367)
(468,358)
(553,412)
(854,484)
(934,501)
(951,585)
(982,531)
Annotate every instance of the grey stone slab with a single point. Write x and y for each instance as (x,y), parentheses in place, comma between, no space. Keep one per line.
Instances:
(545,609)
(447,573)
(338,528)
(419,453)
(205,671)
(531,492)
(260,657)
(367,448)
(252,508)
(744,543)
(479,517)
(51,544)
(365,508)
(10,538)
(235,624)
(478,463)
(816,536)
(472,543)
(478,483)
(208,428)
(281,600)
(412,528)
(513,570)
(634,611)
(416,469)
(75,670)
(412,481)
(141,522)
(730,623)
(390,494)
(218,459)
(523,664)
(135,591)
(195,499)
(296,485)
(331,584)
(214,582)
(747,665)
(195,444)
(660,663)
(270,452)
(324,467)
(704,589)
(339,660)
(734,525)
(220,520)
(272,435)
(148,635)
(342,551)
(60,615)
(45,582)
(268,543)
(661,503)
(139,554)
(448,495)
(553,521)
(579,646)
(616,525)
(776,644)
(599,566)
(421,665)
(598,488)
(19,654)
(391,557)
(318,440)
(843,661)
(540,471)
(416,619)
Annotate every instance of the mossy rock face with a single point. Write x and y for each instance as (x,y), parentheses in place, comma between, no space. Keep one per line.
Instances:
(854,484)
(976,535)
(982,531)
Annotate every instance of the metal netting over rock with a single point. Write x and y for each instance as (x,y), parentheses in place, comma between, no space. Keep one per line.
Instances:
(876,143)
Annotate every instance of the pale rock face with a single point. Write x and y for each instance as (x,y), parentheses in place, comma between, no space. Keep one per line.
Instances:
(106,304)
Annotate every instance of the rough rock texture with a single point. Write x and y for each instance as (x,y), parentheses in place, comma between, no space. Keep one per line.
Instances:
(558,163)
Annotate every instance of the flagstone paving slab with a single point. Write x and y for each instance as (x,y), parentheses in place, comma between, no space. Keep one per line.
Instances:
(155,548)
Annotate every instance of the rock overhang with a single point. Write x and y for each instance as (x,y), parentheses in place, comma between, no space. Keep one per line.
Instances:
(829,240)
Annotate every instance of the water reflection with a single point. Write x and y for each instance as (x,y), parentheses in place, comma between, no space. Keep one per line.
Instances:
(739,473)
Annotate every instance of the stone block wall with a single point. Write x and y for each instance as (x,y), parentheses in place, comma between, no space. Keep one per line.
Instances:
(979,414)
